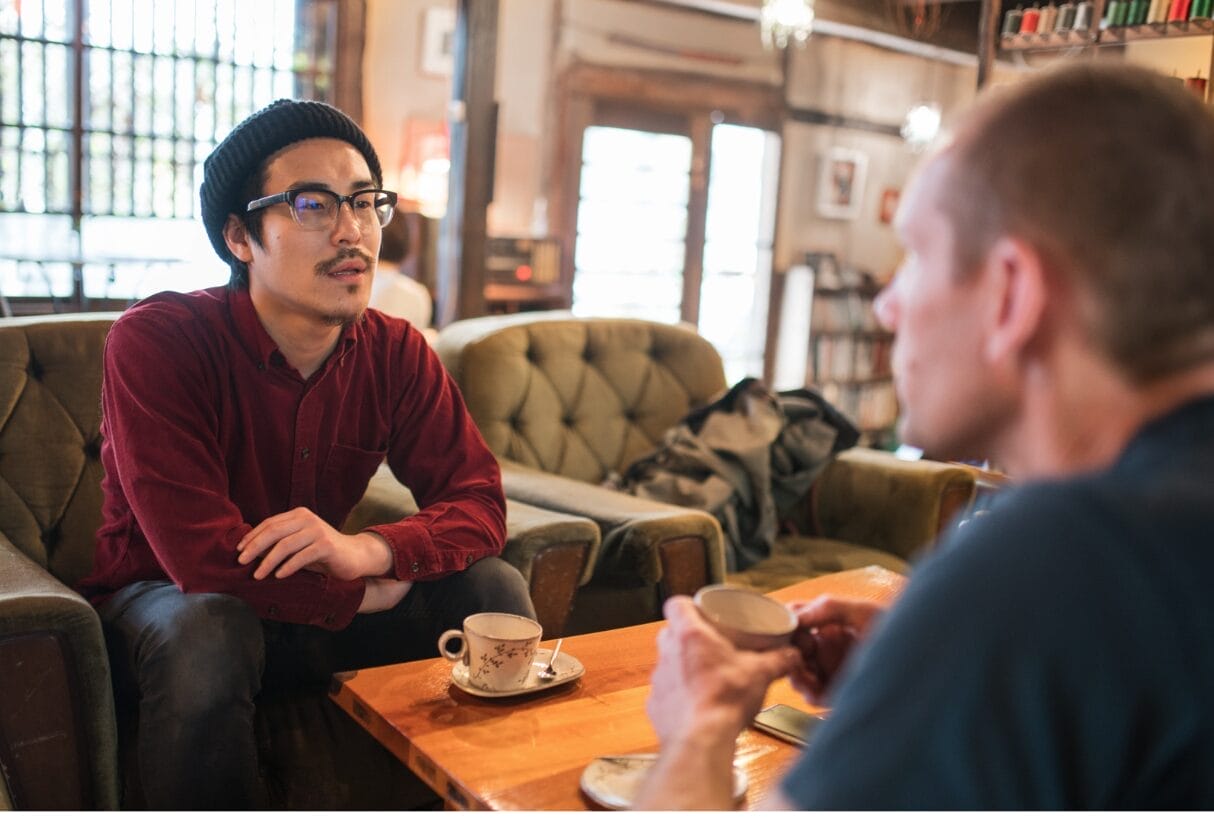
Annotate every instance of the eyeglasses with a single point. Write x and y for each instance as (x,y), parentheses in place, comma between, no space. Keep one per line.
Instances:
(316,209)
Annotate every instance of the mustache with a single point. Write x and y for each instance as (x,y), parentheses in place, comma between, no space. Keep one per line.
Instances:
(325,267)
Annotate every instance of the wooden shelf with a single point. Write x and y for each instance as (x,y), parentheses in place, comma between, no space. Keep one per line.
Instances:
(1118,35)
(848,350)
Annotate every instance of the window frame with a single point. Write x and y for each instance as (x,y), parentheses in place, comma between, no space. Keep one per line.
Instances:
(332,33)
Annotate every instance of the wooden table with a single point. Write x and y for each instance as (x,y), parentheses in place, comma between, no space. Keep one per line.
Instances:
(528,752)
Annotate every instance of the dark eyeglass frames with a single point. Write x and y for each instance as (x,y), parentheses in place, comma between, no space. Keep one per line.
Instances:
(316,208)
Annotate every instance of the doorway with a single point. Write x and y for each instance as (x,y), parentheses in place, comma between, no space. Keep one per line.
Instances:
(676,225)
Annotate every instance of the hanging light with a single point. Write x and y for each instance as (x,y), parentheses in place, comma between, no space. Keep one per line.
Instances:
(921,125)
(784,20)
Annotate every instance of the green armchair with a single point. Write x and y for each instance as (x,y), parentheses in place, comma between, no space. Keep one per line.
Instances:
(566,402)
(60,744)
(563,403)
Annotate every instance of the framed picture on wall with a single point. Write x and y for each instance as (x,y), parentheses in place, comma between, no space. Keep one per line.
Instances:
(841,183)
(438,42)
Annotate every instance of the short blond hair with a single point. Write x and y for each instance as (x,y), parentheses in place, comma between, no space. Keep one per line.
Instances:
(1108,170)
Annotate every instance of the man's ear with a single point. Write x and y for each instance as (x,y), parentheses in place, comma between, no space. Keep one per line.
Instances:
(1016,274)
(237,237)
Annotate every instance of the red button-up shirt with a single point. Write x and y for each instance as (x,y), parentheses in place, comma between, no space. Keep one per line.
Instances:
(207,430)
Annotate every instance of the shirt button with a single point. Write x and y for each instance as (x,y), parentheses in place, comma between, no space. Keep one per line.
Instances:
(415,567)
(273,610)
(261,366)
(329,619)
(467,560)
(304,453)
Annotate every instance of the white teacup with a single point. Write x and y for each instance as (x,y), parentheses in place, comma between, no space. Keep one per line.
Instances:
(497,649)
(748,619)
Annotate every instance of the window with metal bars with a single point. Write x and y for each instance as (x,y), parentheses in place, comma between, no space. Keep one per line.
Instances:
(107,110)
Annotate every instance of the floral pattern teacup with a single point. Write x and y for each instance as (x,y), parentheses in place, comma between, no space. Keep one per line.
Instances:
(497,649)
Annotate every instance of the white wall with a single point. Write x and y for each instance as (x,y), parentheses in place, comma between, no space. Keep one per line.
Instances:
(872,84)
(394,87)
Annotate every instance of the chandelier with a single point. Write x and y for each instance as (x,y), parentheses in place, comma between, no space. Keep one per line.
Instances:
(784,20)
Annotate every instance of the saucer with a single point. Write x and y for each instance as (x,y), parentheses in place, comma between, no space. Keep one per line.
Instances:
(613,781)
(567,669)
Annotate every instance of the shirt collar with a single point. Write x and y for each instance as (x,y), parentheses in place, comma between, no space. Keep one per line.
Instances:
(261,346)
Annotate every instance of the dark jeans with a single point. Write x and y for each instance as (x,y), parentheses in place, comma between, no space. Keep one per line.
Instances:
(196,662)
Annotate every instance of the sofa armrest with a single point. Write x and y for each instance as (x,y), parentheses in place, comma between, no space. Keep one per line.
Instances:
(644,542)
(554,552)
(899,506)
(58,739)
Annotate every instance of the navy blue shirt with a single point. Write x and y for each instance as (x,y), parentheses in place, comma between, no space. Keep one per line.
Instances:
(1056,653)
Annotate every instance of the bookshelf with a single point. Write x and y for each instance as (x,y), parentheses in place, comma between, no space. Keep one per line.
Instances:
(1119,32)
(849,351)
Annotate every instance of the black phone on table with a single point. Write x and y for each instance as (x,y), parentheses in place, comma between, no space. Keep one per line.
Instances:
(788,723)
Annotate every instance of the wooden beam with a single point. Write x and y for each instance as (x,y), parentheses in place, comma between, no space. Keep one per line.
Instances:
(472,120)
(348,58)
(988,30)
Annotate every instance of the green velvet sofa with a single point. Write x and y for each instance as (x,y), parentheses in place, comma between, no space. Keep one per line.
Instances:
(60,744)
(565,402)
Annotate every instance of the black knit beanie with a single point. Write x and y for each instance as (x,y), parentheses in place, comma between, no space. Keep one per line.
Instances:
(237,157)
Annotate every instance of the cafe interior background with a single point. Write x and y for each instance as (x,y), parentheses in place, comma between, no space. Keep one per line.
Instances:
(732,164)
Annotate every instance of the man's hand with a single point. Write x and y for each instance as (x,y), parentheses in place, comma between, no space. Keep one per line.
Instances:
(827,630)
(297,539)
(704,691)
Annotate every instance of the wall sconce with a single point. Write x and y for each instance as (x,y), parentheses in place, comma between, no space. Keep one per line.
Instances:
(784,20)
(921,125)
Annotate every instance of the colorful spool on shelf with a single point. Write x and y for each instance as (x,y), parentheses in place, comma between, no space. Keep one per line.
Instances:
(1179,11)
(1083,16)
(1028,23)
(1049,17)
(1077,16)
(1011,22)
(1066,17)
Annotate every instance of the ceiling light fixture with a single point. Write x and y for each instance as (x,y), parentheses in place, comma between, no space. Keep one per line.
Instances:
(921,125)
(785,20)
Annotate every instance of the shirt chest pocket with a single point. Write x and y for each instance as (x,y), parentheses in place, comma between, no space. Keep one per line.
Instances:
(344,480)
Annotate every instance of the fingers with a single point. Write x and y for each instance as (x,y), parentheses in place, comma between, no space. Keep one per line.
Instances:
(808,684)
(282,540)
(309,554)
(775,664)
(292,552)
(680,609)
(268,532)
(851,613)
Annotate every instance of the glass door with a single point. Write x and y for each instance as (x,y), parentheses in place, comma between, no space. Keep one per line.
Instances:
(739,230)
(631,224)
(674,221)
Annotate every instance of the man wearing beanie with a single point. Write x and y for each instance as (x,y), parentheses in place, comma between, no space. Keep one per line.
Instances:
(240,426)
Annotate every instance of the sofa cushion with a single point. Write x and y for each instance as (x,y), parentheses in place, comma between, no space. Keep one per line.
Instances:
(796,558)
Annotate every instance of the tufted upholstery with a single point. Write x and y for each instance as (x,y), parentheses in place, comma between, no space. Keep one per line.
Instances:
(59,737)
(50,466)
(580,397)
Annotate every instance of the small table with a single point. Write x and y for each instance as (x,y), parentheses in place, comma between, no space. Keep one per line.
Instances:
(528,752)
